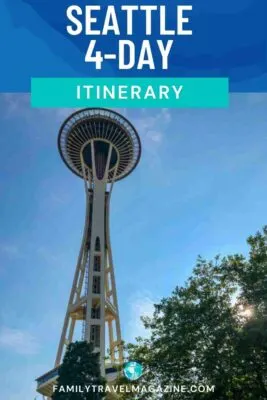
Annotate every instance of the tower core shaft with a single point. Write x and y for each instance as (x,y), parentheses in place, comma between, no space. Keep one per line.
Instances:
(93,297)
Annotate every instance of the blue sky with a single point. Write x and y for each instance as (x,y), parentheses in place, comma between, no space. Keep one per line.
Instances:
(200,188)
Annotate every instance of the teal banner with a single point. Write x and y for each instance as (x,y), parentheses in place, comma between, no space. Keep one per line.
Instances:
(130,92)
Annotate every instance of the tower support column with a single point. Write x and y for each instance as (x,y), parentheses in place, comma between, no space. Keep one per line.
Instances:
(101,147)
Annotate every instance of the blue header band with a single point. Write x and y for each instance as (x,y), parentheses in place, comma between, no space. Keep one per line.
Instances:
(228,40)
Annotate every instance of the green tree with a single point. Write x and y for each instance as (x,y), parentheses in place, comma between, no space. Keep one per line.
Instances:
(212,331)
(80,367)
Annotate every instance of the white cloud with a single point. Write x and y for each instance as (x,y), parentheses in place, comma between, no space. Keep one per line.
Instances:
(165,115)
(141,305)
(10,249)
(152,126)
(154,136)
(57,198)
(19,105)
(15,102)
(256,98)
(63,113)
(47,255)
(19,341)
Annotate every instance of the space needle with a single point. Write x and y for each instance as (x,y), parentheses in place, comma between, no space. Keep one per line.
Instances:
(101,147)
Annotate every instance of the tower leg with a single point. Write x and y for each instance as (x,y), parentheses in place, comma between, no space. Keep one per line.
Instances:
(75,295)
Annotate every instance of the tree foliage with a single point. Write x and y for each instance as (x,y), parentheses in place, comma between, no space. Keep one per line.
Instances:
(80,367)
(212,331)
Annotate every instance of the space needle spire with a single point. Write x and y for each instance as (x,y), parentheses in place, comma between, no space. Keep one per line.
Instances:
(101,147)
